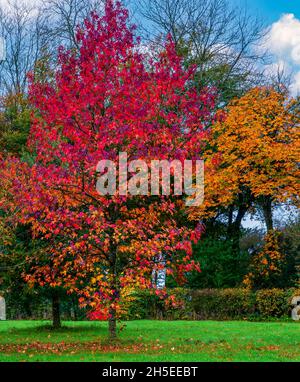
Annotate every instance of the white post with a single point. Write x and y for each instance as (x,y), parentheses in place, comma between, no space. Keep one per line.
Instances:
(2,309)
(2,49)
(296,310)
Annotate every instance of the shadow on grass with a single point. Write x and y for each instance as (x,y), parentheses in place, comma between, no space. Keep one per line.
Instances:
(64,329)
(76,331)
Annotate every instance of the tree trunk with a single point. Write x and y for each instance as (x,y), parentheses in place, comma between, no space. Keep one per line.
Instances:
(234,228)
(27,309)
(56,322)
(112,324)
(267,211)
(112,320)
(74,306)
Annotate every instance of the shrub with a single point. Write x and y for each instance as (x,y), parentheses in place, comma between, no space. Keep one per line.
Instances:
(220,267)
(273,266)
(216,304)
(222,304)
(201,304)
(272,302)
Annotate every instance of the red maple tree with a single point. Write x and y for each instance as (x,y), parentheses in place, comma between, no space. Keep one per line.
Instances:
(109,97)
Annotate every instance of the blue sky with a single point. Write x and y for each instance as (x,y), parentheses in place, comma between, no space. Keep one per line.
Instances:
(282,17)
(271,10)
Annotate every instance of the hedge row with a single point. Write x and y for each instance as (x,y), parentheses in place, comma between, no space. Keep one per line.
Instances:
(204,304)
(216,304)
(39,307)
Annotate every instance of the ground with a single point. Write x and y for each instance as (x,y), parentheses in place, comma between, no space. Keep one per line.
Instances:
(151,341)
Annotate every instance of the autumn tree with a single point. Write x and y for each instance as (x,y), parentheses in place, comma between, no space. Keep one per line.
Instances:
(271,266)
(19,250)
(110,98)
(252,158)
(14,123)
(216,36)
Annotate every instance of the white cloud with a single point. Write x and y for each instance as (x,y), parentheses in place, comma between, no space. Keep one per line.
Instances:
(283,42)
(277,67)
(29,8)
(284,35)
(295,86)
(31,3)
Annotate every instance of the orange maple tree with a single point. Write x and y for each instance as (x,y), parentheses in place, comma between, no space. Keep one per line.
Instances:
(266,266)
(253,155)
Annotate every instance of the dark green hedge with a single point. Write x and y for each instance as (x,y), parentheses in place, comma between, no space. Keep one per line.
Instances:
(217,304)
(203,304)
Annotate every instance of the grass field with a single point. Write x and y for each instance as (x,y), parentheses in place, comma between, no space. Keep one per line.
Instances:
(151,341)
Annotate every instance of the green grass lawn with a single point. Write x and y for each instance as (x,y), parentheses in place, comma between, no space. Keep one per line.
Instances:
(151,341)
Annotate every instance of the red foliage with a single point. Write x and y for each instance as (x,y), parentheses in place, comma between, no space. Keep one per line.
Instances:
(111,97)
(98,315)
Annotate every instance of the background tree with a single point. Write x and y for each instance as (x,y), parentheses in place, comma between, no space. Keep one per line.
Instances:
(18,255)
(14,124)
(65,16)
(291,234)
(220,38)
(220,266)
(23,28)
(273,266)
(255,148)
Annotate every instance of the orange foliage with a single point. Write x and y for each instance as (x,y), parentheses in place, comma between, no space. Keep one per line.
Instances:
(255,147)
(267,264)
